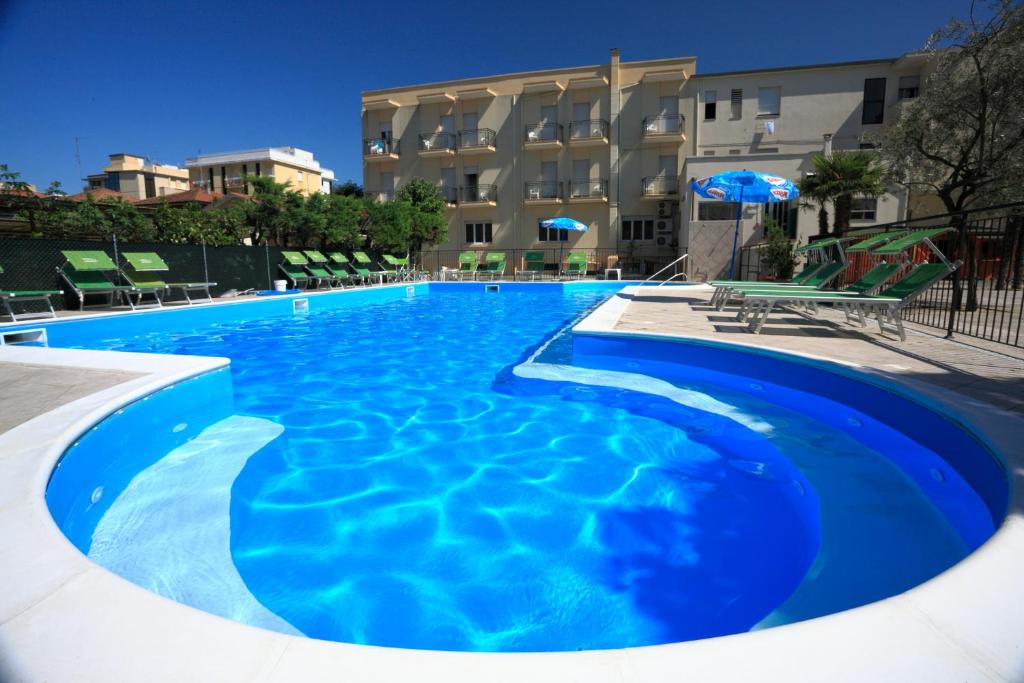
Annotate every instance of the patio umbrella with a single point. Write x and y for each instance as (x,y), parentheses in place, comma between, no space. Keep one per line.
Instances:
(563,223)
(744,186)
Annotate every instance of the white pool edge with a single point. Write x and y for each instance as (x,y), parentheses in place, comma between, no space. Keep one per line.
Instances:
(65,618)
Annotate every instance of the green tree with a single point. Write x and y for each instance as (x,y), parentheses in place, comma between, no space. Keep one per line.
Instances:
(177,225)
(778,254)
(126,221)
(963,136)
(388,225)
(267,213)
(428,224)
(349,188)
(225,225)
(812,195)
(342,221)
(838,178)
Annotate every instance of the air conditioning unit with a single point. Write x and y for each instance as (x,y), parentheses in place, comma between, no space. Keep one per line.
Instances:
(662,241)
(666,209)
(663,226)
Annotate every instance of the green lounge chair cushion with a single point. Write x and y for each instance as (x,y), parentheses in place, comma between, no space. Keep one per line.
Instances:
(910,240)
(142,261)
(315,256)
(89,260)
(319,271)
(93,280)
(15,293)
(296,273)
(338,257)
(876,241)
(143,281)
(361,257)
(919,277)
(294,258)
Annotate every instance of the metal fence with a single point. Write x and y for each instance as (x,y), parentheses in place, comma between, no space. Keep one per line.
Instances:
(984,298)
(635,263)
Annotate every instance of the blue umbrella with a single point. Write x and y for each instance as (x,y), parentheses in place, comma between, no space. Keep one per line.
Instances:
(563,223)
(744,186)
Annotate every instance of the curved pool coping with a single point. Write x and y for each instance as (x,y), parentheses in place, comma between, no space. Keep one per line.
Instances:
(65,618)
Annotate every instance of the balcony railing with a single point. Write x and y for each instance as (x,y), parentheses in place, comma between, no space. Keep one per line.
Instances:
(374,147)
(663,125)
(543,189)
(660,186)
(475,138)
(451,194)
(437,142)
(594,129)
(595,188)
(543,132)
(469,194)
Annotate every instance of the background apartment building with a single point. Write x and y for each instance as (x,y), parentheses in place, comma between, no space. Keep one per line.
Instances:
(614,146)
(130,175)
(225,171)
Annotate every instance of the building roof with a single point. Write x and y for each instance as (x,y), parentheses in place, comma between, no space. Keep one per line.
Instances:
(100,193)
(196,195)
(290,156)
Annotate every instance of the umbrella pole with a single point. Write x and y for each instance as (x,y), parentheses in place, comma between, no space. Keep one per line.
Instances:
(736,235)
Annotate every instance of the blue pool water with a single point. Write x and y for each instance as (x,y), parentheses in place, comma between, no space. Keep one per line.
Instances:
(387,477)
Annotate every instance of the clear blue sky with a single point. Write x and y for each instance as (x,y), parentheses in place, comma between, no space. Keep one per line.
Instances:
(167,79)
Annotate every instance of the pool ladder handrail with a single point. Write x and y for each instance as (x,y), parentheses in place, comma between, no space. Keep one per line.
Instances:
(666,268)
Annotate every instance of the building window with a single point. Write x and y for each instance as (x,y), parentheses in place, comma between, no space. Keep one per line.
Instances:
(257,169)
(874,101)
(863,208)
(736,103)
(867,145)
(149,183)
(769,101)
(910,87)
(637,229)
(716,211)
(784,214)
(551,234)
(112,181)
(710,104)
(479,233)
(298,176)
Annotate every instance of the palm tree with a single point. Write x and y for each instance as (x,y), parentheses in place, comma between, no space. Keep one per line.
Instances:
(840,177)
(812,195)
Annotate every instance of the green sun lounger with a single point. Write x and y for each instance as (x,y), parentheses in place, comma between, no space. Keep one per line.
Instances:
(398,266)
(576,265)
(296,268)
(141,270)
(372,269)
(341,266)
(469,263)
(533,264)
(8,296)
(83,271)
(887,305)
(494,265)
(817,280)
(318,268)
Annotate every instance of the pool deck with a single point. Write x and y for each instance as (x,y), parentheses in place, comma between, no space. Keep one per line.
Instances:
(64,618)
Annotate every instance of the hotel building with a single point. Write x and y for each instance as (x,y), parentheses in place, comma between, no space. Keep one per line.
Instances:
(225,171)
(614,145)
(130,175)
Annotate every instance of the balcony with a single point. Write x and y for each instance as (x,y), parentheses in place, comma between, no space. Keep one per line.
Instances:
(436,145)
(478,195)
(543,192)
(544,135)
(380,195)
(477,141)
(594,190)
(380,149)
(588,133)
(660,187)
(659,129)
(451,196)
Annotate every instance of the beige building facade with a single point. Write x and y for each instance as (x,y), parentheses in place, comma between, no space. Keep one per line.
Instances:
(615,145)
(130,175)
(226,171)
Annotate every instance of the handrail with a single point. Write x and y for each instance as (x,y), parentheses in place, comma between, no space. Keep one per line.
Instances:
(667,267)
(664,282)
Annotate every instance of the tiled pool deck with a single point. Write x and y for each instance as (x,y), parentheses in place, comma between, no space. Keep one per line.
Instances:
(63,618)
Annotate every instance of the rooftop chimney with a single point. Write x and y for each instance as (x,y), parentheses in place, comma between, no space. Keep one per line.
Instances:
(827,149)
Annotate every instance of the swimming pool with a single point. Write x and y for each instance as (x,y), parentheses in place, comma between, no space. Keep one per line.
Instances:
(395,453)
